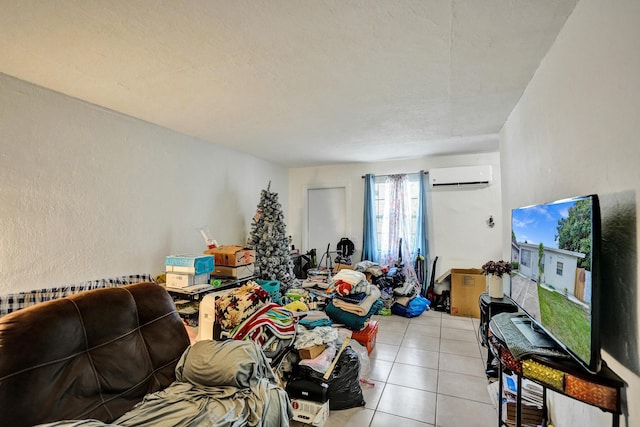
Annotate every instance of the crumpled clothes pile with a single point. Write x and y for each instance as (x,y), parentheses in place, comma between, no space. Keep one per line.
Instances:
(369,267)
(317,336)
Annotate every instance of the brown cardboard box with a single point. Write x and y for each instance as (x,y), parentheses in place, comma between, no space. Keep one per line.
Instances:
(339,267)
(466,287)
(232,256)
(241,272)
(311,352)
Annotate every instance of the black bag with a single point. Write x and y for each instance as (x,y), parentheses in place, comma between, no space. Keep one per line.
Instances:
(344,390)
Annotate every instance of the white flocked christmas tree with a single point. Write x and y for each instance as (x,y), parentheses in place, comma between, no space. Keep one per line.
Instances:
(269,239)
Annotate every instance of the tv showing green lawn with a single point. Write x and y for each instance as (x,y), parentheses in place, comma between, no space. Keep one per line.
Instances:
(557,283)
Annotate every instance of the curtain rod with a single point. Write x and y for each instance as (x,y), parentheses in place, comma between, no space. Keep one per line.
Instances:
(389,174)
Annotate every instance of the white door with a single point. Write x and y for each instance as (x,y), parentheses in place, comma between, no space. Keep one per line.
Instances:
(326,219)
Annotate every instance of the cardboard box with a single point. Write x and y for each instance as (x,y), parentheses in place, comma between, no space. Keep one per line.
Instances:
(232,256)
(466,287)
(190,264)
(339,267)
(310,413)
(311,352)
(182,280)
(241,272)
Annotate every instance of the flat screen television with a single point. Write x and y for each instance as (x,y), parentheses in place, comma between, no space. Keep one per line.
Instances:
(555,247)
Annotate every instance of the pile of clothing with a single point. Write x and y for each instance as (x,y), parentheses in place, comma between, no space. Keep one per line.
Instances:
(247,313)
(355,299)
(399,293)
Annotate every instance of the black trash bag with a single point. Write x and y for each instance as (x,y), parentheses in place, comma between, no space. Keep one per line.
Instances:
(344,389)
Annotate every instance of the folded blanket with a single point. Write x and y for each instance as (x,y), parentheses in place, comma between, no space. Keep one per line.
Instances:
(350,276)
(350,320)
(362,308)
(353,298)
(236,306)
(270,320)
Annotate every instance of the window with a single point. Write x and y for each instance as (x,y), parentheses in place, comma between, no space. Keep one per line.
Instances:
(381,194)
(526,258)
(559,268)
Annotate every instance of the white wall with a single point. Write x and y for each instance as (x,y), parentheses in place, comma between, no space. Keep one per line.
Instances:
(87,193)
(575,131)
(459,233)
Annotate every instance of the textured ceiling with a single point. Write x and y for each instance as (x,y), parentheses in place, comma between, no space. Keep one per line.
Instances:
(297,82)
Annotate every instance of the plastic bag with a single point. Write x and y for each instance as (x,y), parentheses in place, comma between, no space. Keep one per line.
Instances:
(344,390)
(322,362)
(365,363)
(414,308)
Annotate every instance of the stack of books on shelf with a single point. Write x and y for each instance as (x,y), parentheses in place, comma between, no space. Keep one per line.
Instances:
(531,396)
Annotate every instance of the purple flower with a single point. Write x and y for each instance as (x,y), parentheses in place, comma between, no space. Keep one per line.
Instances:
(497,268)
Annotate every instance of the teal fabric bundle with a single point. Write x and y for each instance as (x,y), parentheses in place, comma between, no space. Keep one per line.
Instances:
(350,320)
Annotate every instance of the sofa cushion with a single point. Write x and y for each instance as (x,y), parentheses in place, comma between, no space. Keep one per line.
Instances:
(91,355)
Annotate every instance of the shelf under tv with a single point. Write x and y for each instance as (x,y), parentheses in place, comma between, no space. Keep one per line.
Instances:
(559,373)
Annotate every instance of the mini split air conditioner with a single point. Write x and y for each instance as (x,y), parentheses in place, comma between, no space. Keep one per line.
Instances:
(465,176)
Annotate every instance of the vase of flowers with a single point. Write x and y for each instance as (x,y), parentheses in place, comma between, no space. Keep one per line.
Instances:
(495,270)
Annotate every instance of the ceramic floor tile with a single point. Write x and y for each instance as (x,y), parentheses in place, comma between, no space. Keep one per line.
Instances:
(372,393)
(414,376)
(459,334)
(457,323)
(463,386)
(426,320)
(431,313)
(462,364)
(393,319)
(382,351)
(389,337)
(408,403)
(354,417)
(395,327)
(381,419)
(456,412)
(418,357)
(476,323)
(418,338)
(426,330)
(460,347)
(380,370)
(421,342)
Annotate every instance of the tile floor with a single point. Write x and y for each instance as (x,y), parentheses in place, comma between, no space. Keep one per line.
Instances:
(427,371)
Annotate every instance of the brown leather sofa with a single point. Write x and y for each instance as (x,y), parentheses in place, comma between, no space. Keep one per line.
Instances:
(93,355)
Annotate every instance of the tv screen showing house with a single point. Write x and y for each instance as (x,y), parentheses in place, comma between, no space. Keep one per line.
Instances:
(552,250)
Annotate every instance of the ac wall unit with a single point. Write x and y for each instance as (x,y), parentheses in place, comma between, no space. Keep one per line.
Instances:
(464,176)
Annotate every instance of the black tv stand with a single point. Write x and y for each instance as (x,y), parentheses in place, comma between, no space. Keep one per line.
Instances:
(560,374)
(489,307)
